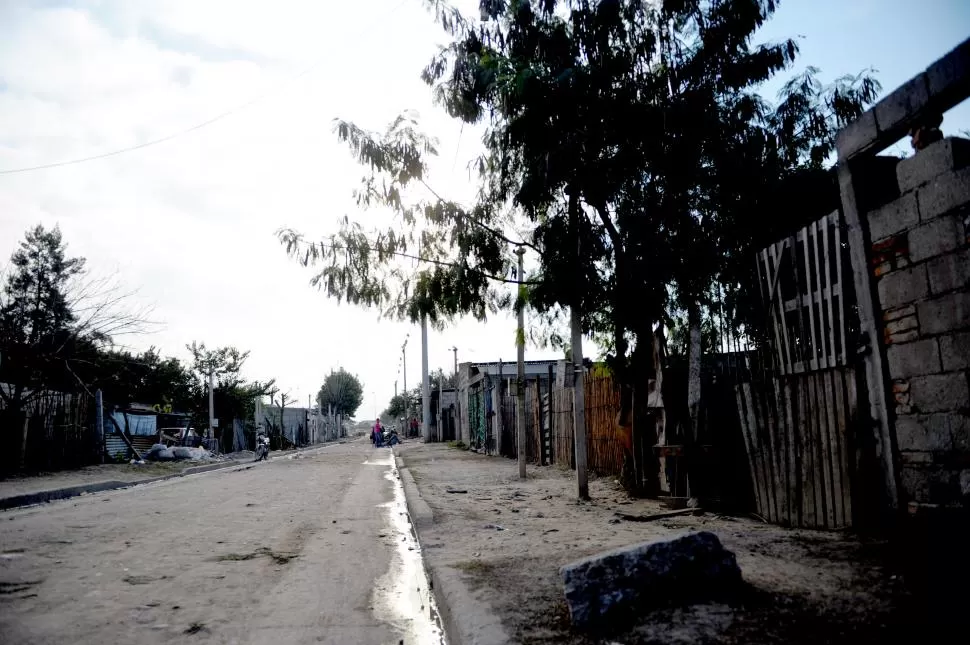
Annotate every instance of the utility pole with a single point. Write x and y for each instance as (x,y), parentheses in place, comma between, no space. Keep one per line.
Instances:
(404,357)
(520,386)
(395,389)
(212,406)
(576,329)
(425,383)
(454,350)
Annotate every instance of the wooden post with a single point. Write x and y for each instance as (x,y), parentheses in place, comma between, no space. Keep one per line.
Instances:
(497,399)
(540,431)
(99,423)
(520,385)
(552,418)
(874,365)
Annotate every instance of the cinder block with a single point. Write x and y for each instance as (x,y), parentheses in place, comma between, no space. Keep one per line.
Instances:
(943,156)
(965,483)
(949,272)
(950,75)
(960,431)
(902,337)
(947,192)
(955,351)
(928,484)
(898,215)
(928,432)
(914,359)
(903,287)
(916,457)
(899,312)
(902,324)
(857,135)
(905,102)
(939,392)
(936,237)
(945,313)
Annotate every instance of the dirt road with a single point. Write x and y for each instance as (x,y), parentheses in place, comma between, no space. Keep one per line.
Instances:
(305,550)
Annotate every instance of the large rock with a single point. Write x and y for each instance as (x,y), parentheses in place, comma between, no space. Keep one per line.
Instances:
(609,589)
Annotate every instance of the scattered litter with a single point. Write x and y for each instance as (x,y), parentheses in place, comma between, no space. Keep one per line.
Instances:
(455,490)
(495,526)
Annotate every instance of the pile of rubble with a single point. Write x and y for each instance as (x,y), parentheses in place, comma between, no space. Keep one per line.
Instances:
(160,452)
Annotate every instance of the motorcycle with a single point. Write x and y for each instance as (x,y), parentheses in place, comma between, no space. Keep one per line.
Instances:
(262,447)
(391,438)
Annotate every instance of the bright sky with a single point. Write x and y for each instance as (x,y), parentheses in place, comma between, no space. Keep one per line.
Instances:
(190,223)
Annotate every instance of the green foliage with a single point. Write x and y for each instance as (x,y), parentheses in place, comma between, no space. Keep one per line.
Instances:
(343,391)
(395,409)
(39,328)
(458,252)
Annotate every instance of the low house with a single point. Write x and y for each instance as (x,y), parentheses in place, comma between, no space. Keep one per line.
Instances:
(481,382)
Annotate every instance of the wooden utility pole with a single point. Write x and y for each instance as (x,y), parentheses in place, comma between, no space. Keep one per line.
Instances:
(520,376)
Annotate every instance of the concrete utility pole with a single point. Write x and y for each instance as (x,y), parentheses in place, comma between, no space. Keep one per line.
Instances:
(212,406)
(454,350)
(404,371)
(425,383)
(579,390)
(520,385)
(579,407)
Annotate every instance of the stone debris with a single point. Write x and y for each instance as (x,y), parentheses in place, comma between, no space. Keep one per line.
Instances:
(609,589)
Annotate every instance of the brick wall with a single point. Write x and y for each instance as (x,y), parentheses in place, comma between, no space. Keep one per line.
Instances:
(921,262)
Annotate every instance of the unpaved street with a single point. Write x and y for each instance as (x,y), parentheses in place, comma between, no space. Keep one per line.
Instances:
(306,550)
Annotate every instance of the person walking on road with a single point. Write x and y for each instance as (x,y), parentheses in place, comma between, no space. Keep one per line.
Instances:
(377,434)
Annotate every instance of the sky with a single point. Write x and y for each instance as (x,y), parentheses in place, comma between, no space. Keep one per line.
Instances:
(189,224)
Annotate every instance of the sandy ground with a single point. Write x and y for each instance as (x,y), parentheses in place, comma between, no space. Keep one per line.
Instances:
(803,586)
(303,550)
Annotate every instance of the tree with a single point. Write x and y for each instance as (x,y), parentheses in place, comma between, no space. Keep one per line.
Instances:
(396,408)
(233,397)
(628,142)
(342,392)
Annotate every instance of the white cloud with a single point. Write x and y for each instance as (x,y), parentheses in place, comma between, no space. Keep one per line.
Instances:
(190,223)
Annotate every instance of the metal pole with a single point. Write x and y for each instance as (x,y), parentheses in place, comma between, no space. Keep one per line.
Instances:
(520,385)
(425,383)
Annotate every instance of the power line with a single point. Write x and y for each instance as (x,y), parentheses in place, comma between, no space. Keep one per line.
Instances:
(198,126)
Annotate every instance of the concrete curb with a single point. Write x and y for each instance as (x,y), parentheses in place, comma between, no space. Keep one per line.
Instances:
(478,625)
(421,514)
(52,495)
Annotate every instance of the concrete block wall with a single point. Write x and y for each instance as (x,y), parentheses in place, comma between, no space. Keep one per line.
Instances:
(921,263)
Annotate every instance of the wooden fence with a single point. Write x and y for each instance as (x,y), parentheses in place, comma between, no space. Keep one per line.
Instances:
(797,431)
(60,434)
(799,415)
(554,417)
